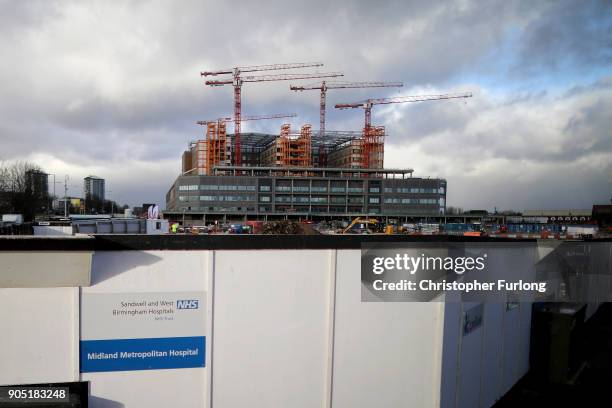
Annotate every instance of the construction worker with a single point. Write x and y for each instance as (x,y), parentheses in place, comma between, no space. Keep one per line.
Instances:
(174,227)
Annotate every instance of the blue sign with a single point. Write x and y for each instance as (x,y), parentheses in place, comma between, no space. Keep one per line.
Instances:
(187,304)
(142,354)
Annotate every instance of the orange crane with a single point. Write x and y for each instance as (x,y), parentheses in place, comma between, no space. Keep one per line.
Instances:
(238,79)
(323,86)
(372,136)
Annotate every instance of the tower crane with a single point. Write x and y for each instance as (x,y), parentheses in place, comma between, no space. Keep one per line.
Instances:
(323,86)
(368,103)
(245,118)
(238,79)
(373,136)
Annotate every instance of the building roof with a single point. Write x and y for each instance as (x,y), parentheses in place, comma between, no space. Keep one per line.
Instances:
(310,171)
(557,213)
(331,139)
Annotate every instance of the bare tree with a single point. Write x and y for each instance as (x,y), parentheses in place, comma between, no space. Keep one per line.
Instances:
(4,176)
(18,192)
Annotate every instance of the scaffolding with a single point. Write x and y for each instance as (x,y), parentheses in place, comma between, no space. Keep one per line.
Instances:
(306,148)
(216,145)
(373,147)
(295,151)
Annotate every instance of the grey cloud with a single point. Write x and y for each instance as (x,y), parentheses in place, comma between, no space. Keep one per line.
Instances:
(568,33)
(539,130)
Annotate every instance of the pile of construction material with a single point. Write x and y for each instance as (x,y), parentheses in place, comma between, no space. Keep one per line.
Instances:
(282,228)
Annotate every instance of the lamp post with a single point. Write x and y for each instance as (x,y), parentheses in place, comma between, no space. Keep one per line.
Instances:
(54,196)
(66,196)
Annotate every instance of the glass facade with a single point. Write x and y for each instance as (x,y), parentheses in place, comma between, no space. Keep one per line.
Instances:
(333,196)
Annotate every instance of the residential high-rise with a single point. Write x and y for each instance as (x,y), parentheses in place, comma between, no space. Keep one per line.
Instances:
(37,184)
(93,188)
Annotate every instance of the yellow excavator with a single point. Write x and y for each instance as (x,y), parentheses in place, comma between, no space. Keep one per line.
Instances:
(369,224)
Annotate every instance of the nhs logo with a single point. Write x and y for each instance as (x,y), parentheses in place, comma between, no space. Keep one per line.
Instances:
(187,304)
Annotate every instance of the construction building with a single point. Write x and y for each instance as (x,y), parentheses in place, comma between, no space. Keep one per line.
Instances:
(301,174)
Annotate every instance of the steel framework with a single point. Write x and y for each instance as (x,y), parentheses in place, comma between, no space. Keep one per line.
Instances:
(238,79)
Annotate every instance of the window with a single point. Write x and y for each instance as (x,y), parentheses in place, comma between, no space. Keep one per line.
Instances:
(301,189)
(283,188)
(208,198)
(264,188)
(337,190)
(300,199)
(389,190)
(374,189)
(209,187)
(319,200)
(316,189)
(374,200)
(355,190)
(191,187)
(264,199)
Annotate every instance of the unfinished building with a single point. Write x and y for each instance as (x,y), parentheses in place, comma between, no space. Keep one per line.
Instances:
(289,149)
(306,148)
(203,155)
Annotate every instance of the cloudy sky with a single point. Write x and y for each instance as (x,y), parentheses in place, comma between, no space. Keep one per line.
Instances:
(112,88)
